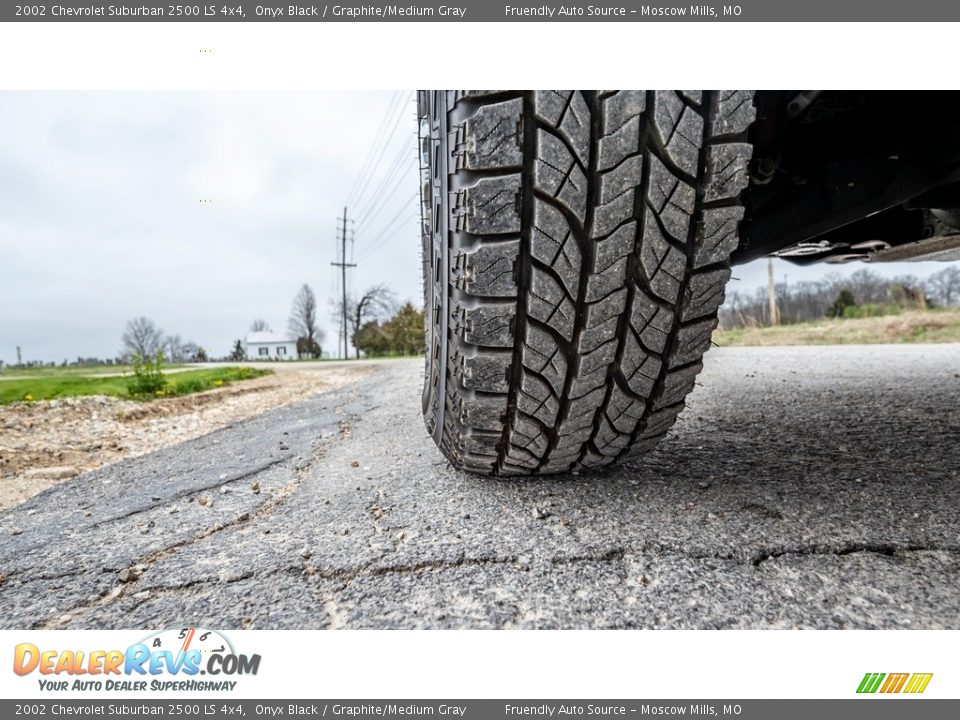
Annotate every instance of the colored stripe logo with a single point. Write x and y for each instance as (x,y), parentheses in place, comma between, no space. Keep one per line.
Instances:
(913,683)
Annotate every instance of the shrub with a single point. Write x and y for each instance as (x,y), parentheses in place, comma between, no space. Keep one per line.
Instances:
(148,378)
(871,310)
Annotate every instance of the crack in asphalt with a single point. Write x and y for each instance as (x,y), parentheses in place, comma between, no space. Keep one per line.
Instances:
(186,492)
(887,549)
(143,564)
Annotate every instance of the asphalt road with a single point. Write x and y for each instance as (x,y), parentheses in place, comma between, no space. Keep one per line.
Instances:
(812,487)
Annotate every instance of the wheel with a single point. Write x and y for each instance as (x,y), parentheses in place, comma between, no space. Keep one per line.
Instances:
(576,248)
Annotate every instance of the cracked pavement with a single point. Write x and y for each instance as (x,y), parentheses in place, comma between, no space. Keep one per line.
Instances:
(812,487)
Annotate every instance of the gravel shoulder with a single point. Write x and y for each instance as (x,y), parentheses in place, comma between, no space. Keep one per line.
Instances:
(42,443)
(806,488)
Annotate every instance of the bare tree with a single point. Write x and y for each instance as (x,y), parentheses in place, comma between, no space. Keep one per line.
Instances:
(259,325)
(173,348)
(142,337)
(377,302)
(946,285)
(303,323)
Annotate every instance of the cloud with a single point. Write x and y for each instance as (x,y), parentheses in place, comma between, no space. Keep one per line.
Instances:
(101,216)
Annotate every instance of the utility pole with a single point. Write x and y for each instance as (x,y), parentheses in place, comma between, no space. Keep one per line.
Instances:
(343,265)
(19,359)
(772,294)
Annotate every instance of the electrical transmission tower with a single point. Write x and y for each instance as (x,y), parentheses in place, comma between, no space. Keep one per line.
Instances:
(343,265)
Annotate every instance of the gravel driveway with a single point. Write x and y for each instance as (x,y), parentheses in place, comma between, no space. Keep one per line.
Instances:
(808,487)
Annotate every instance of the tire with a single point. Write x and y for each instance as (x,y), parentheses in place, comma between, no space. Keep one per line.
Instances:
(576,249)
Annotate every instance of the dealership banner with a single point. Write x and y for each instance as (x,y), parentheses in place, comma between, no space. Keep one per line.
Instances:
(482,11)
(580,673)
(212,708)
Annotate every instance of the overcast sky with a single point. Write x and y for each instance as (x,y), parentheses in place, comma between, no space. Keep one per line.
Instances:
(101,217)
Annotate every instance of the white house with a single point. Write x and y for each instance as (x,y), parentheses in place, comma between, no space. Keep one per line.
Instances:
(269,346)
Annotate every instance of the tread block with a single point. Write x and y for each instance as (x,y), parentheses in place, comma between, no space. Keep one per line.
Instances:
(568,112)
(541,355)
(621,108)
(552,243)
(557,173)
(652,322)
(693,341)
(671,198)
(490,206)
(726,170)
(548,303)
(492,138)
(678,385)
(623,411)
(640,369)
(536,399)
(717,235)
(662,264)
(625,177)
(486,371)
(490,270)
(733,112)
(680,130)
(704,293)
(621,142)
(484,412)
(488,324)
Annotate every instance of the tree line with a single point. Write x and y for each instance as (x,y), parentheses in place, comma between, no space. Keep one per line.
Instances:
(861,294)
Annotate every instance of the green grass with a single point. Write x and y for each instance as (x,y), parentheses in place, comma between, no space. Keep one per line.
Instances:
(909,326)
(76,370)
(48,387)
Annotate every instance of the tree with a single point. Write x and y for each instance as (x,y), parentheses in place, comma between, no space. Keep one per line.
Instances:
(142,337)
(402,334)
(945,285)
(259,325)
(375,303)
(844,300)
(303,323)
(238,354)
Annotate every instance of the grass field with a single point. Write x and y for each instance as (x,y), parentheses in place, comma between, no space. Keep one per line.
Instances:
(914,326)
(48,386)
(72,370)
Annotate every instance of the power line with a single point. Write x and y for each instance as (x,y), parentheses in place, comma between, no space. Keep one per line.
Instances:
(379,133)
(375,198)
(403,208)
(400,181)
(360,196)
(385,239)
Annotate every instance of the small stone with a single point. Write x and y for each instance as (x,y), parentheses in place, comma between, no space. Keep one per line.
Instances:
(224,490)
(204,501)
(255,486)
(466,516)
(16,531)
(283,445)
(355,464)
(64,619)
(703,485)
(87,513)
(155,498)
(540,514)
(524,560)
(305,553)
(128,575)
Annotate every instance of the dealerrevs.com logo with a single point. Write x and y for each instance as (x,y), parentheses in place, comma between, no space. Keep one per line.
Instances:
(169,660)
(911,683)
